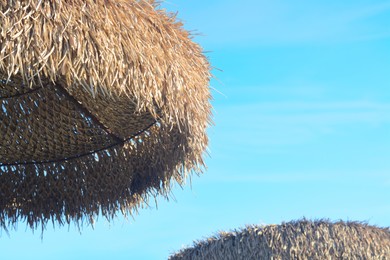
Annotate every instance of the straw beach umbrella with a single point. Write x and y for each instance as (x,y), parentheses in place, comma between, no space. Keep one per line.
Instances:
(103,104)
(295,240)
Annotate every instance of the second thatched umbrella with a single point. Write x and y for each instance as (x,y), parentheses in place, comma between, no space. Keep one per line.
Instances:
(103,103)
(301,239)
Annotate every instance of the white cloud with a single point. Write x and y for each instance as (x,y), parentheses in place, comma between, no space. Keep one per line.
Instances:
(300,177)
(253,22)
(313,113)
(281,124)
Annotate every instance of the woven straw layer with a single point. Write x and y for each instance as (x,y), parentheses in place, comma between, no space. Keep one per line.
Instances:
(295,240)
(102,104)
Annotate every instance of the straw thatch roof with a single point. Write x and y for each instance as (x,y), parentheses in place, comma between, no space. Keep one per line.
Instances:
(295,240)
(102,104)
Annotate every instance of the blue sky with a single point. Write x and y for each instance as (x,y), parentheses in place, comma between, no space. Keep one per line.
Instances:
(302,128)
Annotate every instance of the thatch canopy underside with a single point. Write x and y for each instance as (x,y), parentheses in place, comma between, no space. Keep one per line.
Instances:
(102,104)
(295,240)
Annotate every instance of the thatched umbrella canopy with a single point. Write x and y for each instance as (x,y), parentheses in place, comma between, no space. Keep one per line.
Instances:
(295,240)
(103,103)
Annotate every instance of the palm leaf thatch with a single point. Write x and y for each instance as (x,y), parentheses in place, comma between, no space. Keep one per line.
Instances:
(295,240)
(102,104)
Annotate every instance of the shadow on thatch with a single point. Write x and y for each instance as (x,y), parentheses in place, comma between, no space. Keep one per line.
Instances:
(301,239)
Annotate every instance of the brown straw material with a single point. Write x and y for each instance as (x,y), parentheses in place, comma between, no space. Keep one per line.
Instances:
(102,104)
(295,240)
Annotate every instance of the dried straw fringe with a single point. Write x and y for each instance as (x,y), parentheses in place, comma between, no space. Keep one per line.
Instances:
(295,240)
(117,179)
(128,65)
